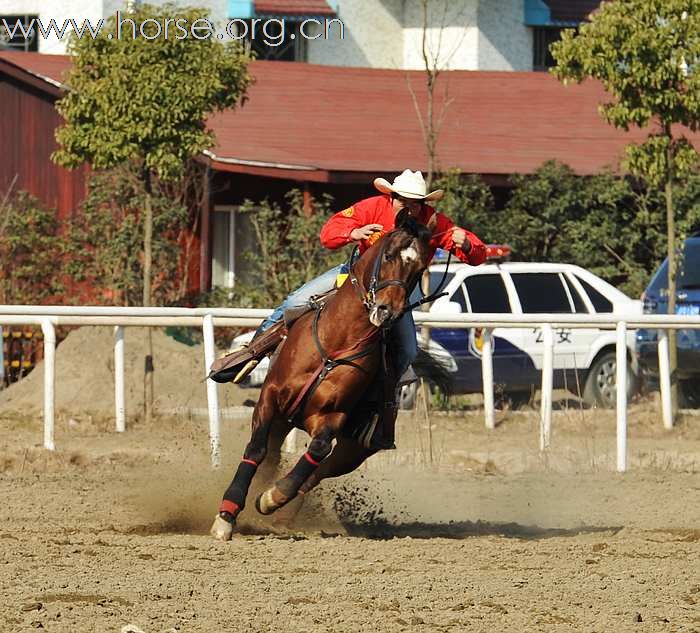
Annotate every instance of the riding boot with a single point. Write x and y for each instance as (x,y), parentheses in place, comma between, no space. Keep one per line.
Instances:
(237,364)
(385,433)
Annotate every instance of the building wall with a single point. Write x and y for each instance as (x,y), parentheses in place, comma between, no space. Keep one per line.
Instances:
(505,43)
(59,10)
(452,37)
(373,36)
(462,34)
(27,131)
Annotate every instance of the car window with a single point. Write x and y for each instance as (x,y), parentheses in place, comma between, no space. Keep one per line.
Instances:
(599,301)
(579,305)
(458,296)
(688,271)
(435,278)
(689,267)
(487,293)
(541,293)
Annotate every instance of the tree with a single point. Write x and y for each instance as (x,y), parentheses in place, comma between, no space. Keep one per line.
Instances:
(646,53)
(435,16)
(31,249)
(288,252)
(144,101)
(469,201)
(104,239)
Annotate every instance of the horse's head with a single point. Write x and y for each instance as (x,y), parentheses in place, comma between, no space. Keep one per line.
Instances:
(394,265)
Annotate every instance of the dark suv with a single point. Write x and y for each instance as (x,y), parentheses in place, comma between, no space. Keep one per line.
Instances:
(655,301)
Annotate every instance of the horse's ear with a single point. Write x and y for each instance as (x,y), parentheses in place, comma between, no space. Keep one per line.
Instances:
(402,218)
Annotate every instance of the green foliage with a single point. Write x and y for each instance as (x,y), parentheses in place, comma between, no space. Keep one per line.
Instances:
(31,250)
(289,251)
(645,53)
(469,202)
(659,156)
(147,99)
(606,224)
(105,240)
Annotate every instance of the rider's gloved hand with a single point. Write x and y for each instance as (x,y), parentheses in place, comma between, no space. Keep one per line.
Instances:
(364,232)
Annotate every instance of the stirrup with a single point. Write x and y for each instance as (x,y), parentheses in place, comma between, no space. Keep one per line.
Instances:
(245,370)
(407,378)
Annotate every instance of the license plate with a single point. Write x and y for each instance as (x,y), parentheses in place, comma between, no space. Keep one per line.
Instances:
(688,309)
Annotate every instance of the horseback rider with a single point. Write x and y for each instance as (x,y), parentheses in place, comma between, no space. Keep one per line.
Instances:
(364,223)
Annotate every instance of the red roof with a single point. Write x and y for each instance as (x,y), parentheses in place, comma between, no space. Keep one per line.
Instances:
(305,121)
(293,7)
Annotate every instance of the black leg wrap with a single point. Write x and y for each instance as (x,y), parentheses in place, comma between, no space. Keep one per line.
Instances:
(319,448)
(238,489)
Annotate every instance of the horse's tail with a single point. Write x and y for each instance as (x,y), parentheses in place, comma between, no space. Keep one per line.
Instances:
(434,370)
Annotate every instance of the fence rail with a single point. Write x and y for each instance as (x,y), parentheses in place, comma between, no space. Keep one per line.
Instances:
(48,317)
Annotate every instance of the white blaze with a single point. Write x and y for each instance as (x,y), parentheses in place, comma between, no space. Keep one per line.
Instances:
(409,254)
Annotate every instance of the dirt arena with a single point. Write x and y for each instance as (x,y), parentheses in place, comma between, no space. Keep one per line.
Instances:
(460,529)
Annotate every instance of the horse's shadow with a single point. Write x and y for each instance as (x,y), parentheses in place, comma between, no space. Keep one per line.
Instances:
(383,530)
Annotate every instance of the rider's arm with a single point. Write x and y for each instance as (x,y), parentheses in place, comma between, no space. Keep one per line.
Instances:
(336,231)
(473,250)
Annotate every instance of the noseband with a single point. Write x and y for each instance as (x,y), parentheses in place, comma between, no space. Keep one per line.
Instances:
(369,298)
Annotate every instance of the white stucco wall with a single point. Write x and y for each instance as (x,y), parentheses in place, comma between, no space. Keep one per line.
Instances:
(505,43)
(462,35)
(80,10)
(452,35)
(469,34)
(373,36)
(59,10)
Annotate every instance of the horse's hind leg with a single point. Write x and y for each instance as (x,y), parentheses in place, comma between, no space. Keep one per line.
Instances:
(346,457)
(319,448)
(255,451)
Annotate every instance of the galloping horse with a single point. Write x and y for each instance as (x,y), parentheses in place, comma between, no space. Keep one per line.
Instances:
(329,360)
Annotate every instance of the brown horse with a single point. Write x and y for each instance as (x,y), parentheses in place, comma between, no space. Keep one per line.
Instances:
(329,360)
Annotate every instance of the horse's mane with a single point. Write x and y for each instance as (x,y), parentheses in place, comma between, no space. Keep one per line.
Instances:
(406,222)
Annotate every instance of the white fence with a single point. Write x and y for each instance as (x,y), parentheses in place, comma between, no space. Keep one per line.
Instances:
(207,318)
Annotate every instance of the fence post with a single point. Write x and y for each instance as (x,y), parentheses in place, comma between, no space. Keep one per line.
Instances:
(49,333)
(212,393)
(119,391)
(487,378)
(547,385)
(665,380)
(621,388)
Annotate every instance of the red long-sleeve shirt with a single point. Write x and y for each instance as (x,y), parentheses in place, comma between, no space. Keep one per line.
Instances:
(380,210)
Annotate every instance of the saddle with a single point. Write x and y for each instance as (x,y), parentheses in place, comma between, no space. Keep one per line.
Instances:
(231,367)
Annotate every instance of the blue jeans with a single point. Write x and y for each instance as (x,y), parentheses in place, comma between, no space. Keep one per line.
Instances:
(403,346)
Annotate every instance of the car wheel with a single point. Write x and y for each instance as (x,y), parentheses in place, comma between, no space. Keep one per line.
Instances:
(689,393)
(600,388)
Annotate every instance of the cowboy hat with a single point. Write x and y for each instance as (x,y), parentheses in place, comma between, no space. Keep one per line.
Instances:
(409,184)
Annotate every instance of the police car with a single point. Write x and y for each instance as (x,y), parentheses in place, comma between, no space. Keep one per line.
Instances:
(584,359)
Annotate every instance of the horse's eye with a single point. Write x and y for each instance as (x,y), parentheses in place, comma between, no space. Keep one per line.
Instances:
(388,257)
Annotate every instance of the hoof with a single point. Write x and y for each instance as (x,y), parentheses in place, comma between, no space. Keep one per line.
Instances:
(221,529)
(265,502)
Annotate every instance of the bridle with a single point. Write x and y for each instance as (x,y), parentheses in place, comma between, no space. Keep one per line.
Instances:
(369,298)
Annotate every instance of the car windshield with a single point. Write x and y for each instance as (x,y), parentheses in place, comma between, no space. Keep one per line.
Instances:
(435,277)
(689,270)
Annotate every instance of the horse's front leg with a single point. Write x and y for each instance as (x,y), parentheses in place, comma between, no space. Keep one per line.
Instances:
(322,428)
(234,498)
